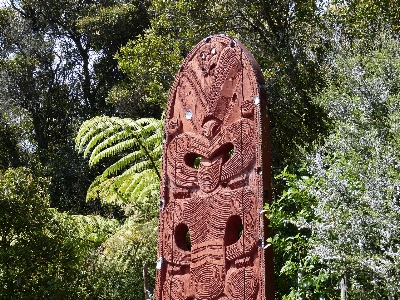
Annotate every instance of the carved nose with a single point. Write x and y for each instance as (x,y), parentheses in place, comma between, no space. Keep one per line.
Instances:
(210,128)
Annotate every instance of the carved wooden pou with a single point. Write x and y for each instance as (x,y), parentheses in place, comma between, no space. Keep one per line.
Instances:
(216,179)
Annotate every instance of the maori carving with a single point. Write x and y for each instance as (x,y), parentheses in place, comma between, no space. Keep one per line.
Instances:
(216,150)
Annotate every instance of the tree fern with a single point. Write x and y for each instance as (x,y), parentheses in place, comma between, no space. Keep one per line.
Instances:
(92,228)
(116,265)
(135,175)
(132,235)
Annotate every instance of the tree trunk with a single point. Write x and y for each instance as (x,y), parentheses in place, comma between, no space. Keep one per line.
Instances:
(343,288)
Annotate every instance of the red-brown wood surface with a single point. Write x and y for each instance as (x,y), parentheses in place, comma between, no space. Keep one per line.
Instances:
(216,179)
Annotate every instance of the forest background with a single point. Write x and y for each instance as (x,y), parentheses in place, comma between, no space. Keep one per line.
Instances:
(93,77)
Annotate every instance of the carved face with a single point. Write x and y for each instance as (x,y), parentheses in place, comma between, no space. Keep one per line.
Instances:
(210,226)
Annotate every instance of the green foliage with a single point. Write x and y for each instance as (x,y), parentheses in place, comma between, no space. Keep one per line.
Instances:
(14,138)
(364,19)
(152,80)
(137,144)
(111,24)
(357,170)
(116,267)
(300,275)
(131,181)
(342,219)
(23,205)
(41,251)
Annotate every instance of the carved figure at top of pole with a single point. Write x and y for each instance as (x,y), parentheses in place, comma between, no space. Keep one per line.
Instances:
(211,231)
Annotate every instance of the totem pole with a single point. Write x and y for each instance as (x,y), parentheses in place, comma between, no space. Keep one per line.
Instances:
(216,179)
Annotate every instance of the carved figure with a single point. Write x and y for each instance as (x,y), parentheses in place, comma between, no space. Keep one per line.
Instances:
(216,150)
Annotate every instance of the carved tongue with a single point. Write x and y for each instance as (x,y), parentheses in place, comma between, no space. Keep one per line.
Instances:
(209,173)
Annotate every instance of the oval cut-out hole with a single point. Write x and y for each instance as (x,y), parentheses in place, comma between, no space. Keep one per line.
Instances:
(227,150)
(192,160)
(182,237)
(233,230)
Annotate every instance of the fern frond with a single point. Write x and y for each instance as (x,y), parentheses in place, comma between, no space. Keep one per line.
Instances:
(132,235)
(134,187)
(140,190)
(94,228)
(123,162)
(94,137)
(135,175)
(111,151)
(103,149)
(86,131)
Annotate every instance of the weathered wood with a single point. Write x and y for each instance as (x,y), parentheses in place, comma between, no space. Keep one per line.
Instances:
(215,179)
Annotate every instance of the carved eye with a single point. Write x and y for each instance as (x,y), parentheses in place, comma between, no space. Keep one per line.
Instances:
(192,160)
(188,115)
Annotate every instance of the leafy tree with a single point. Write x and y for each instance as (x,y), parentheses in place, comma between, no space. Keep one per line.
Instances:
(116,267)
(43,253)
(24,219)
(132,182)
(57,65)
(349,207)
(12,150)
(364,19)
(300,274)
(357,215)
